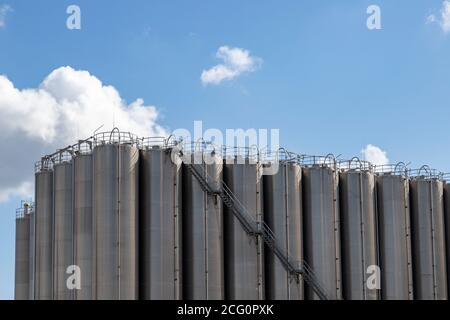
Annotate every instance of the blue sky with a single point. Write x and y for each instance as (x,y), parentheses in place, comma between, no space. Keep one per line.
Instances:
(326,81)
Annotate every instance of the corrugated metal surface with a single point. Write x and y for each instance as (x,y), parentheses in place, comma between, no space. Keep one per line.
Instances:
(395,238)
(203,274)
(160,226)
(44,235)
(447,229)
(244,271)
(83,224)
(63,230)
(428,239)
(358,229)
(116,221)
(321,228)
(22,265)
(283,214)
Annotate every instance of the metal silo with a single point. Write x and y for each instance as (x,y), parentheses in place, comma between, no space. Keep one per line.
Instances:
(160,225)
(63,228)
(447,226)
(244,270)
(83,222)
(321,224)
(428,236)
(44,233)
(394,233)
(283,215)
(358,229)
(32,259)
(203,271)
(22,262)
(115,190)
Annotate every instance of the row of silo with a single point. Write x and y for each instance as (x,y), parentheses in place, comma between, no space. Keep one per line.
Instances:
(138,224)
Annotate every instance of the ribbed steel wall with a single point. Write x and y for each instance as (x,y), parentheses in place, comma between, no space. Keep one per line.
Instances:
(428,239)
(283,213)
(116,221)
(203,256)
(160,226)
(395,237)
(83,224)
(244,271)
(44,236)
(321,228)
(63,230)
(359,233)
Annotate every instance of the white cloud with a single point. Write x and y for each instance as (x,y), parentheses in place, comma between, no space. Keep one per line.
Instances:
(4,9)
(68,105)
(236,61)
(374,155)
(444,19)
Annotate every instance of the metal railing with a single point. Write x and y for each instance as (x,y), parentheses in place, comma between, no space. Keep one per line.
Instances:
(321,161)
(255,228)
(355,164)
(26,208)
(115,137)
(425,172)
(399,169)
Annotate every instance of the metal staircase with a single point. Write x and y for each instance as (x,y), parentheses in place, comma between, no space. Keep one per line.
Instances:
(255,228)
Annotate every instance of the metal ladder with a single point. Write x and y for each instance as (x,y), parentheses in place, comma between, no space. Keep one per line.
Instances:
(254,228)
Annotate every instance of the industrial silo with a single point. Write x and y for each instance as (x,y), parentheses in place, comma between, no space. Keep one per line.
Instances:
(63,227)
(447,226)
(203,269)
(244,270)
(44,232)
(321,224)
(22,260)
(428,236)
(283,215)
(115,190)
(83,222)
(358,229)
(160,225)
(31,255)
(394,233)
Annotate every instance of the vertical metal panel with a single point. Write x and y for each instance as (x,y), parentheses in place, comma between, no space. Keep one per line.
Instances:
(22,265)
(395,240)
(83,226)
(44,237)
(283,215)
(244,273)
(160,195)
(358,228)
(447,230)
(321,228)
(63,230)
(428,239)
(116,213)
(203,274)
